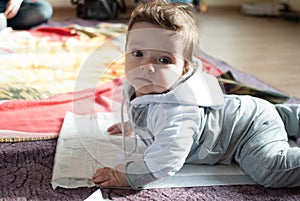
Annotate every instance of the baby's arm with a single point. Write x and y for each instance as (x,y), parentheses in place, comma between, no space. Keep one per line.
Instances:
(108,177)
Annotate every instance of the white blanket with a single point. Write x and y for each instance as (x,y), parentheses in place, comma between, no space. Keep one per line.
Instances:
(84,146)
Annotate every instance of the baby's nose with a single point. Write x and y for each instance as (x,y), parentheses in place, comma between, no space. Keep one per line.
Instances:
(150,68)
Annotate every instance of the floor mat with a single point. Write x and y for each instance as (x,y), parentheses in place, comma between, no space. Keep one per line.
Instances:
(84,146)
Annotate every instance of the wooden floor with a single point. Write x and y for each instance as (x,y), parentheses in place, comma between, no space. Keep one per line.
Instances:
(267,48)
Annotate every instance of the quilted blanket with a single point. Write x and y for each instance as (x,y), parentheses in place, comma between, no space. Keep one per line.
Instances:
(47,61)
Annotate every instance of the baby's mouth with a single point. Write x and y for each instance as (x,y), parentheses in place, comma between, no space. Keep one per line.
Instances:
(143,79)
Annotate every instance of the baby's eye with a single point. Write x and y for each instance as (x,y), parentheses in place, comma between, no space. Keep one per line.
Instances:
(137,53)
(165,60)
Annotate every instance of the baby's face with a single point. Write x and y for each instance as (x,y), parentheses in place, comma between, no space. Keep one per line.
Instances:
(153,60)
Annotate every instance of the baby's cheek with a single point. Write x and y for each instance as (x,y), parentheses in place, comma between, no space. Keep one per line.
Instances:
(168,78)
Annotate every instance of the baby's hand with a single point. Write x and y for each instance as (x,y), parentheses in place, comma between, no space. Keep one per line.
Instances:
(116,129)
(107,177)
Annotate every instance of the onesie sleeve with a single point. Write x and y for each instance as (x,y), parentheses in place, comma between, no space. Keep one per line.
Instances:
(138,174)
(172,128)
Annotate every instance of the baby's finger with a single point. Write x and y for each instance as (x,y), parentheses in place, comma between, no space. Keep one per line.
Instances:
(128,133)
(108,183)
(102,171)
(115,129)
(100,179)
(111,127)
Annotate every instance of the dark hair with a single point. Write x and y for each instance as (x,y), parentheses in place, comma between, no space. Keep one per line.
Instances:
(171,16)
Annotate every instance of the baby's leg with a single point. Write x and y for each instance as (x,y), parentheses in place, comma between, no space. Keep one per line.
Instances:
(266,155)
(290,115)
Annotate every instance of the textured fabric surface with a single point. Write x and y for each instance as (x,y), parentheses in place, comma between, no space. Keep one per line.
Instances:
(43,118)
(26,170)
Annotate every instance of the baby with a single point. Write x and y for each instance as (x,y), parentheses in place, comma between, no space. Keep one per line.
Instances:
(181,116)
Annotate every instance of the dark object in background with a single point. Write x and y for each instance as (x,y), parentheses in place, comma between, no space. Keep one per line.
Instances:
(291,16)
(99,9)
